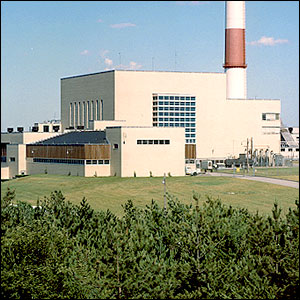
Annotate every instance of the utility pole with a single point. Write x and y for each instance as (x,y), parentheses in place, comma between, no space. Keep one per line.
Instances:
(247,155)
(165,196)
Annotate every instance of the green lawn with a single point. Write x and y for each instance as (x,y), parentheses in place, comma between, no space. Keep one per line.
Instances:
(291,173)
(111,192)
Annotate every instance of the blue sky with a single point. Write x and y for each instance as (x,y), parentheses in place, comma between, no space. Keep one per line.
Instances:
(42,42)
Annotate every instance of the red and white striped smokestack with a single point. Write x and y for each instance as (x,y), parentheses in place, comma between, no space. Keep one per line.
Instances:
(235,50)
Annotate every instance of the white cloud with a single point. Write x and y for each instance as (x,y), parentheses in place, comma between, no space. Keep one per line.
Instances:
(100,21)
(108,62)
(134,66)
(122,25)
(268,41)
(84,52)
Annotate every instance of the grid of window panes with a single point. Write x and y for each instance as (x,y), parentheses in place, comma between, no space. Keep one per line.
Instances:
(176,111)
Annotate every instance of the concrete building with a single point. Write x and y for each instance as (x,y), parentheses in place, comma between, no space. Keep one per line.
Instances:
(214,125)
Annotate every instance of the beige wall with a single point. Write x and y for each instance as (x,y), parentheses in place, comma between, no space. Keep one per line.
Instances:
(142,159)
(87,88)
(97,170)
(222,126)
(223,129)
(4,172)
(101,125)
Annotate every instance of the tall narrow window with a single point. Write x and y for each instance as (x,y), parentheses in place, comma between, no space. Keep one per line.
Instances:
(79,114)
(70,115)
(84,113)
(98,109)
(76,113)
(94,110)
(88,113)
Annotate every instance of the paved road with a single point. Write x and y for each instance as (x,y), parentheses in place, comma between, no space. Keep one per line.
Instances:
(288,183)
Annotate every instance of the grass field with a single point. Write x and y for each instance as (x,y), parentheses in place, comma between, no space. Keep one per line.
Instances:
(111,192)
(291,173)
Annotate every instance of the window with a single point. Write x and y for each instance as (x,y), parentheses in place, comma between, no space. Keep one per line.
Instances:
(290,150)
(11,159)
(100,162)
(94,162)
(106,162)
(46,128)
(182,106)
(116,146)
(88,162)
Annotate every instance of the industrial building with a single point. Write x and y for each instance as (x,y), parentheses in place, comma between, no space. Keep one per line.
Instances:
(137,123)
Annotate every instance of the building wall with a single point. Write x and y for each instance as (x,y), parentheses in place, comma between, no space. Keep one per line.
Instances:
(25,137)
(142,159)
(4,172)
(16,159)
(222,126)
(114,135)
(101,125)
(97,171)
(87,88)
(58,169)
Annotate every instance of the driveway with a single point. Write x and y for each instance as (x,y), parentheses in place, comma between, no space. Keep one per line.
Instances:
(288,183)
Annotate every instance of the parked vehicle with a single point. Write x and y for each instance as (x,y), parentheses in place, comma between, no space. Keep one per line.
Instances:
(219,166)
(206,165)
(193,171)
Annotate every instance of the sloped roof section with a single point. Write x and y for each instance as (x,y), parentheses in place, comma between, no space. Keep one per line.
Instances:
(76,138)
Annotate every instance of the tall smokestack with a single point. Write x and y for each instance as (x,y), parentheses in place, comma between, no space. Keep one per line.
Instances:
(235,50)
